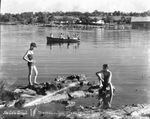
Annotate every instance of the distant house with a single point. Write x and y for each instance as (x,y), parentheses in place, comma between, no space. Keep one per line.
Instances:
(140,22)
(99,22)
(66,19)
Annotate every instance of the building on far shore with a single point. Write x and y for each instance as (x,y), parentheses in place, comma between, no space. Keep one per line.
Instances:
(140,22)
(99,22)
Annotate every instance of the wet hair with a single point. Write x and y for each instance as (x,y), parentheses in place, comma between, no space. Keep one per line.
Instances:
(105,66)
(33,45)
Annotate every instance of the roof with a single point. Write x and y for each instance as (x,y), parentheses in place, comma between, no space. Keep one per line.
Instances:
(140,19)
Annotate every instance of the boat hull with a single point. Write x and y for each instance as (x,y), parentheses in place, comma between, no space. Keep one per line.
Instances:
(58,40)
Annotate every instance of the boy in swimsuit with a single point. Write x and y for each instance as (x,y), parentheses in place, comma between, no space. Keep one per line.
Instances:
(105,77)
(31,64)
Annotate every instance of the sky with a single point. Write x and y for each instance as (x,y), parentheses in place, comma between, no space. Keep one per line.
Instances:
(19,6)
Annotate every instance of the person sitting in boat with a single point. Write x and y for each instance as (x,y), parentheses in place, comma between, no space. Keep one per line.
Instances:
(51,35)
(61,36)
(76,37)
(68,36)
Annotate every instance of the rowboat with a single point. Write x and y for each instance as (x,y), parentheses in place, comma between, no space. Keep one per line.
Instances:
(59,40)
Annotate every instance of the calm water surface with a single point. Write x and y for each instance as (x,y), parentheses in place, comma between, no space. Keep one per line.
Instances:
(127,52)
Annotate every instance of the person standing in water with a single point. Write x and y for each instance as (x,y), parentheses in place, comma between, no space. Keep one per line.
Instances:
(31,64)
(105,76)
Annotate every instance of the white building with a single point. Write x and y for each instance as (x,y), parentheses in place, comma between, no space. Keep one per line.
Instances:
(99,22)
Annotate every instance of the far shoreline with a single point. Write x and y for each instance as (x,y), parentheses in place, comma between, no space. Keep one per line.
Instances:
(112,26)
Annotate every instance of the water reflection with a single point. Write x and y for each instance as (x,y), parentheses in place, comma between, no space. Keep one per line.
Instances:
(67,45)
(117,38)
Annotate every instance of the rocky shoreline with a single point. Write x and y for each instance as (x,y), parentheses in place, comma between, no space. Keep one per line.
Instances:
(59,98)
(74,86)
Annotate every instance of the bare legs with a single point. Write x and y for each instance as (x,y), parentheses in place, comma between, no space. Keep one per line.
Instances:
(36,73)
(31,69)
(105,99)
(111,93)
(30,74)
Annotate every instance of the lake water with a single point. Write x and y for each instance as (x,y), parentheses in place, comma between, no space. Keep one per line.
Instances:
(126,51)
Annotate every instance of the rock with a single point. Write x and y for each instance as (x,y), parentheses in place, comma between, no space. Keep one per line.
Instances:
(26,96)
(82,77)
(84,88)
(19,103)
(9,96)
(51,87)
(78,94)
(64,102)
(75,88)
(18,90)
(76,77)
(85,82)
(92,88)
(25,91)
(40,91)
(73,77)
(10,103)
(59,79)
(60,86)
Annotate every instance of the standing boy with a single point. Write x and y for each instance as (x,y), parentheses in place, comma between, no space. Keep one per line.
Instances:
(31,64)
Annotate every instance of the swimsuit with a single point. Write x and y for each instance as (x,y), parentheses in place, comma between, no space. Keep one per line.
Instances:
(30,56)
(105,83)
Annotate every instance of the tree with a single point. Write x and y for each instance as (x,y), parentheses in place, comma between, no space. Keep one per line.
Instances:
(18,17)
(85,19)
(108,19)
(27,17)
(96,13)
(116,13)
(94,20)
(41,17)
(6,17)
(51,18)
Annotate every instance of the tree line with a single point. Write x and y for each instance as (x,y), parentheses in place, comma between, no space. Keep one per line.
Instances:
(78,17)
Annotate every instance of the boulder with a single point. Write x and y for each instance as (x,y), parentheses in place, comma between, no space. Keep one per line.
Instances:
(9,95)
(19,103)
